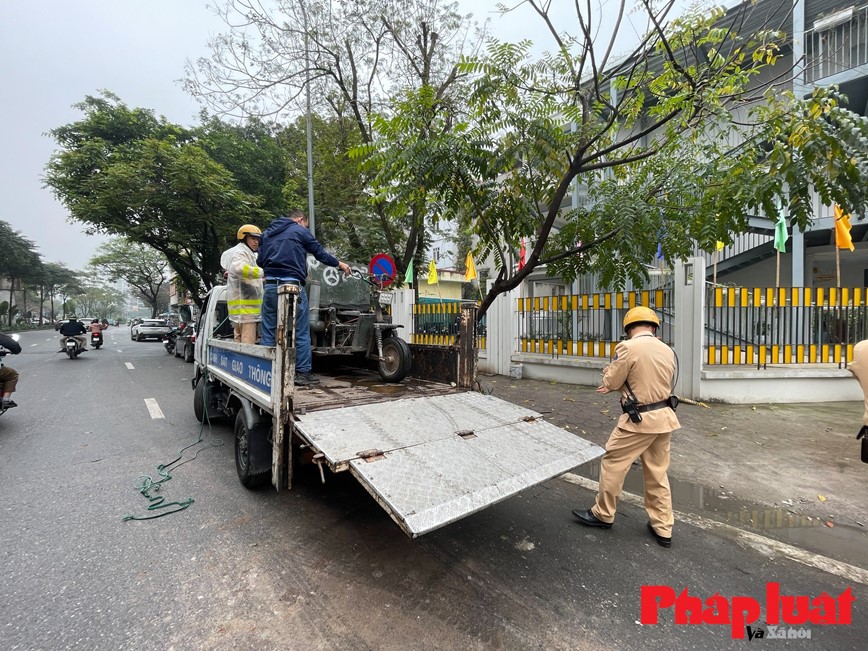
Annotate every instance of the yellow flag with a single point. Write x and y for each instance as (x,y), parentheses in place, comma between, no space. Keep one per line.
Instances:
(720,245)
(470,268)
(432,274)
(842,229)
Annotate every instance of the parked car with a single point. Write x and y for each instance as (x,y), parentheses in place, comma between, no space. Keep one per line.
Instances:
(185,342)
(150,329)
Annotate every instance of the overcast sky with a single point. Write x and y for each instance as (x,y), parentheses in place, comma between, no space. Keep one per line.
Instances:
(55,52)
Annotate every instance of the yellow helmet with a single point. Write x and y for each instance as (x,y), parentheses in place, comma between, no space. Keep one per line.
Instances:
(249,229)
(640,314)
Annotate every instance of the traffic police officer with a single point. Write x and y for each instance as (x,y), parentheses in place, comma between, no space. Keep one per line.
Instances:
(643,370)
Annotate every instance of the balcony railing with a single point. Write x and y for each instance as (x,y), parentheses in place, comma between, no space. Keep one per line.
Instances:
(832,48)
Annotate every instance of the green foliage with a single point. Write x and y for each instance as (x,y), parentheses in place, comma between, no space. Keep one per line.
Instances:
(122,171)
(649,140)
(345,222)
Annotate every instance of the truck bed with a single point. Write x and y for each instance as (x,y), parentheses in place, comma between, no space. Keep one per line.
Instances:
(346,387)
(429,452)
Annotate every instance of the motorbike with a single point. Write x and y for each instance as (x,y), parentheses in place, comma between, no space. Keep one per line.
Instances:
(72,348)
(3,352)
(170,340)
(96,339)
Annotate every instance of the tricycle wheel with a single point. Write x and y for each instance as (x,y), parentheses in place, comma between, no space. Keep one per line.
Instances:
(243,440)
(397,360)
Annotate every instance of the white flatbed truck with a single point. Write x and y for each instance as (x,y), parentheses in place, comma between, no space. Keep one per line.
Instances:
(430,450)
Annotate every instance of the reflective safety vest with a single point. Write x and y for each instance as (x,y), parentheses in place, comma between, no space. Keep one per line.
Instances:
(244,284)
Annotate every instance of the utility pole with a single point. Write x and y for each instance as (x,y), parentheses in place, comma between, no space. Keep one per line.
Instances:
(310,211)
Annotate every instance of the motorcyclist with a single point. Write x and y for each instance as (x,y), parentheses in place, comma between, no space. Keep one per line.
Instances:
(8,375)
(96,327)
(73,328)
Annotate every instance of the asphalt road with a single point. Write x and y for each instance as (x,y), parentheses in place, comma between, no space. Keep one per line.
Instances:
(316,567)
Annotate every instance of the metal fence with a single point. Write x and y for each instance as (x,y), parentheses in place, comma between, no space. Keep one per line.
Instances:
(436,324)
(785,325)
(585,325)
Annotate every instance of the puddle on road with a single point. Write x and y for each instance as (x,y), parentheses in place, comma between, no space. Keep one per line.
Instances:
(847,543)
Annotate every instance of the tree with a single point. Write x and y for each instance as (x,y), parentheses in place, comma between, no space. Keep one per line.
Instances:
(18,261)
(649,137)
(140,267)
(55,276)
(99,300)
(353,55)
(124,172)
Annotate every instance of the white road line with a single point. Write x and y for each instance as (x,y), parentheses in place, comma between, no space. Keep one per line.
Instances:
(129,366)
(764,545)
(32,345)
(153,408)
(120,350)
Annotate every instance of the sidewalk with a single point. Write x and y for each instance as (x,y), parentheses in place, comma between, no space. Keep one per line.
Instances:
(802,458)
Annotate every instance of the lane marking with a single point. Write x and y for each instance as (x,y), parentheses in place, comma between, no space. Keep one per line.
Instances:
(760,543)
(32,345)
(120,350)
(130,366)
(153,408)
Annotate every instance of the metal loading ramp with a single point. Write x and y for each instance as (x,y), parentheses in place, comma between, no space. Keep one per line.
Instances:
(432,460)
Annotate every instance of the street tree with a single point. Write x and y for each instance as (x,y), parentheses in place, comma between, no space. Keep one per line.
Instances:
(19,262)
(678,142)
(345,221)
(99,300)
(353,56)
(55,277)
(123,171)
(141,267)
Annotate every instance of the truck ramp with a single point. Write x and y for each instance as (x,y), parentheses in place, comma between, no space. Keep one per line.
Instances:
(432,460)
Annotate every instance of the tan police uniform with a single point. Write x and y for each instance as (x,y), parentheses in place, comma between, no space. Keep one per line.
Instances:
(649,366)
(859,368)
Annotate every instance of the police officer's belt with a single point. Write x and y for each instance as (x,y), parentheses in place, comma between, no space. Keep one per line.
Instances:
(671,402)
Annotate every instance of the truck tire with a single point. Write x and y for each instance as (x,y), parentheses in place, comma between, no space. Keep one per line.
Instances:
(397,360)
(244,438)
(199,399)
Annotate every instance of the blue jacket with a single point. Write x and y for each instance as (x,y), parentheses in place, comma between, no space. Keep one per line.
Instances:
(284,248)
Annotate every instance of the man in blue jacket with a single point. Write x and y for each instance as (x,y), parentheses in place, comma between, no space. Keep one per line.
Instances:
(283,257)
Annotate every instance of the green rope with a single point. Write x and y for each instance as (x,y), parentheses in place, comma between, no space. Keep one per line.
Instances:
(146,485)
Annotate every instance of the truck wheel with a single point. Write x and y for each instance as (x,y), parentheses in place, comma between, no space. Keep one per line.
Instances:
(199,400)
(243,439)
(397,359)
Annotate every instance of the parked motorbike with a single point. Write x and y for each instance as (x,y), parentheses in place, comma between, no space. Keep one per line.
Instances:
(170,340)
(96,339)
(72,347)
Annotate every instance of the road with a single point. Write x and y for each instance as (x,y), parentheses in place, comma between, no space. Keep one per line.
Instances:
(319,566)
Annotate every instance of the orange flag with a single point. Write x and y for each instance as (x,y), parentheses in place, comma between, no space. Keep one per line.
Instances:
(521,253)
(842,229)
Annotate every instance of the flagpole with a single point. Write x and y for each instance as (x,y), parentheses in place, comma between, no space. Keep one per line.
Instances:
(778,271)
(837,265)
(714,278)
